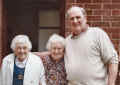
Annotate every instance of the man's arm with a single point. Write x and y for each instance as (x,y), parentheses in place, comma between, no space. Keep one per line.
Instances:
(42,54)
(112,73)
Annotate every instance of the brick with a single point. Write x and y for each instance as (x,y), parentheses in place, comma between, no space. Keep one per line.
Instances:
(101,1)
(111,6)
(115,41)
(115,1)
(101,12)
(112,30)
(100,24)
(89,12)
(94,18)
(93,6)
(115,35)
(68,5)
(89,23)
(116,12)
(80,5)
(97,1)
(111,18)
(115,24)
(115,30)
(84,1)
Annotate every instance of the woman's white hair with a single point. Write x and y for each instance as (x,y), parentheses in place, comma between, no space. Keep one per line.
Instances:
(21,39)
(53,39)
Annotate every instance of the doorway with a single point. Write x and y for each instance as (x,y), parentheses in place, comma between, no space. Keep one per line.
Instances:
(26,17)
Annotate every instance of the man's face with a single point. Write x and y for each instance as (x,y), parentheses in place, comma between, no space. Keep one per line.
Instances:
(77,20)
(57,51)
(21,51)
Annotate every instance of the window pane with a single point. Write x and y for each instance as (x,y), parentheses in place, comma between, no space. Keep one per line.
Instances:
(44,35)
(49,18)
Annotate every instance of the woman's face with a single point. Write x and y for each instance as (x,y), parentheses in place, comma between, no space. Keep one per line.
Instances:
(57,51)
(21,51)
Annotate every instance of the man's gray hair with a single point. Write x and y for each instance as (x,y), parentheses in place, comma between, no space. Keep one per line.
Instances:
(75,8)
(54,39)
(21,39)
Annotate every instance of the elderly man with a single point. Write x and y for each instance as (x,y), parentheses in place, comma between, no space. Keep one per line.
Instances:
(90,56)
(22,67)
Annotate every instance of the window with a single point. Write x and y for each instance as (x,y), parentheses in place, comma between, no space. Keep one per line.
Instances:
(49,23)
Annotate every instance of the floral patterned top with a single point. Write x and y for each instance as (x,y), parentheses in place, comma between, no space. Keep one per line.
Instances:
(55,71)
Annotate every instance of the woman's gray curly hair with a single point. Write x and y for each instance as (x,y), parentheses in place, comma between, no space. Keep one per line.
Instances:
(53,39)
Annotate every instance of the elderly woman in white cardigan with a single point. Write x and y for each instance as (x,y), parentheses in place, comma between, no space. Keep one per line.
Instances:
(22,67)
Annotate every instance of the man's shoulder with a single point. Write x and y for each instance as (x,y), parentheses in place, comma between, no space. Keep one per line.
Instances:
(95,29)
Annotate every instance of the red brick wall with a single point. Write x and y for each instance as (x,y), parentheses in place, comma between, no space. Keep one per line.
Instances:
(101,13)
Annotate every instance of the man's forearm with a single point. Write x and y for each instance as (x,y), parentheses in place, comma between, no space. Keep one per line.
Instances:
(112,73)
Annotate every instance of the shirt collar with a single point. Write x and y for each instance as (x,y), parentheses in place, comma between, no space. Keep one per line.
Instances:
(21,64)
